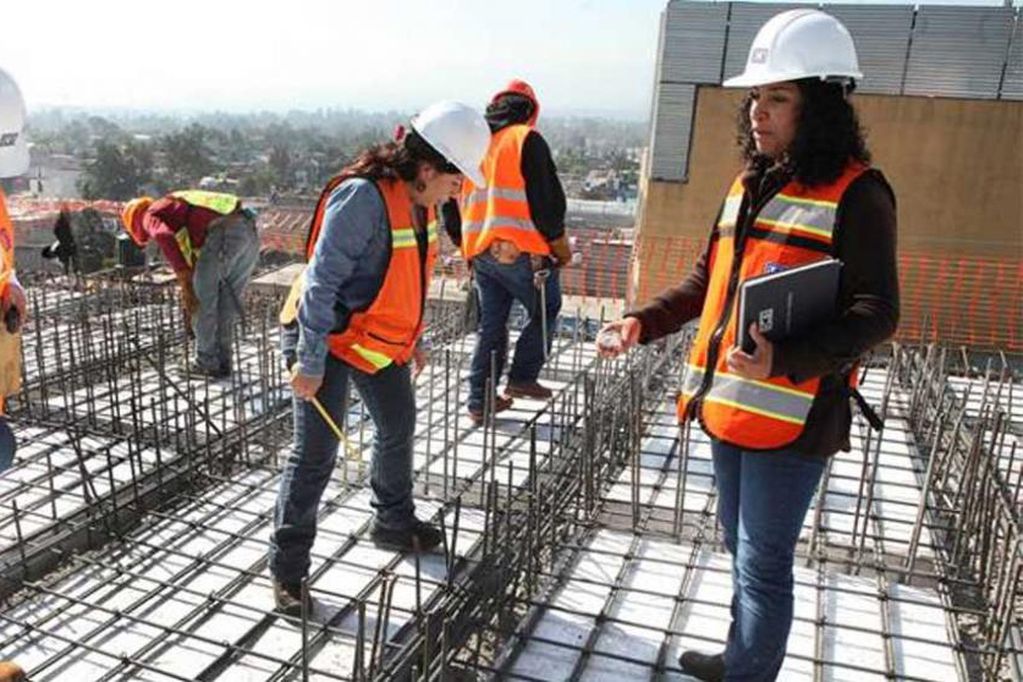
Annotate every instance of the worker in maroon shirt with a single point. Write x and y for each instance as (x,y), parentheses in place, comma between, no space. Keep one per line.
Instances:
(210,241)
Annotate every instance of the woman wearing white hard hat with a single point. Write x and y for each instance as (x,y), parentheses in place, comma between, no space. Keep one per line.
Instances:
(776,414)
(357,313)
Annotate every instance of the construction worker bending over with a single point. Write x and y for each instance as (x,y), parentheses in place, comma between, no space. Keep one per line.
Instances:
(357,313)
(776,415)
(210,241)
(512,234)
(14,160)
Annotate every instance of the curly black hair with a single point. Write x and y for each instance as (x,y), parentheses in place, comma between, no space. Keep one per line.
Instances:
(828,138)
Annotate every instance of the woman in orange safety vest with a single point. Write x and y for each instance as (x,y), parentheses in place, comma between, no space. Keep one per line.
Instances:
(357,313)
(776,414)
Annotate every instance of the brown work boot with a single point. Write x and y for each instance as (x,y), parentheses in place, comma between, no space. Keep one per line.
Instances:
(501,403)
(528,389)
(287,600)
(11,672)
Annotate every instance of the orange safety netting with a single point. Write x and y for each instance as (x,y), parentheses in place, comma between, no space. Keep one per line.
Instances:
(975,301)
(966,300)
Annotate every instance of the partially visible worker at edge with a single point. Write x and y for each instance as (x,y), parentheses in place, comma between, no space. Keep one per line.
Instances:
(14,161)
(357,313)
(775,416)
(509,231)
(210,241)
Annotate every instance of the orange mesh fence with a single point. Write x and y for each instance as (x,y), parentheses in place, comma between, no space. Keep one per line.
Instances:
(968,300)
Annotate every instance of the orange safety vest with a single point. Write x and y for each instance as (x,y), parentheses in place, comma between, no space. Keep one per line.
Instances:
(6,245)
(387,331)
(500,210)
(793,228)
(6,260)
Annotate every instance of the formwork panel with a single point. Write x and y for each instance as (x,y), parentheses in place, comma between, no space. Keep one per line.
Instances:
(1012,84)
(881,35)
(673,120)
(958,51)
(694,42)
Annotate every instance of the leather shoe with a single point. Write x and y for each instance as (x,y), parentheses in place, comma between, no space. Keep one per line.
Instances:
(703,666)
(501,403)
(531,389)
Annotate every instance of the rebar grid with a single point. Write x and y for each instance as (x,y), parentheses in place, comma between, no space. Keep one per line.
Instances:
(159,540)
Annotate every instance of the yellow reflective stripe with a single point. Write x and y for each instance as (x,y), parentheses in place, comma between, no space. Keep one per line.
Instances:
(403,239)
(218,202)
(760,397)
(378,360)
(406,238)
(788,227)
(184,241)
(803,200)
(786,213)
(755,410)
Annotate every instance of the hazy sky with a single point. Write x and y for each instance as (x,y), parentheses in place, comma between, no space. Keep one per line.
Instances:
(582,56)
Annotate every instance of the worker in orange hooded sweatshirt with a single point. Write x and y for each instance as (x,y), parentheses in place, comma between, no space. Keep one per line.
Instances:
(512,233)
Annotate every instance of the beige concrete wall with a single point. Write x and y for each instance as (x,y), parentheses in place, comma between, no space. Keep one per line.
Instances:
(956,166)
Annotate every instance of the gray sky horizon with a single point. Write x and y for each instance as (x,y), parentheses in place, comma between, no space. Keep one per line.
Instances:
(582,56)
(593,57)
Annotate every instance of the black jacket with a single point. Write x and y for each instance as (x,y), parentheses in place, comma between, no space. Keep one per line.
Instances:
(865,226)
(543,189)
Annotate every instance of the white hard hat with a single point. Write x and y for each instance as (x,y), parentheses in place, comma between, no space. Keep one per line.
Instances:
(13,147)
(459,133)
(799,43)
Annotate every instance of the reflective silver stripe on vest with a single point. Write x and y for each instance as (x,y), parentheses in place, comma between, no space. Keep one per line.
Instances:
(759,397)
(481,195)
(497,222)
(806,215)
(730,211)
(693,379)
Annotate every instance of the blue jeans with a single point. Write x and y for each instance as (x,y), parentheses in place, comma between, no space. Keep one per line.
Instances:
(762,500)
(7,444)
(390,401)
(225,264)
(497,286)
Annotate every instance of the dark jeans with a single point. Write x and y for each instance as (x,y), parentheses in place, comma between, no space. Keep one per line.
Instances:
(497,286)
(762,500)
(390,401)
(7,444)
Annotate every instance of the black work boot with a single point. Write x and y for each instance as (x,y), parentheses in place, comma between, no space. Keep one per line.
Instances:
(196,371)
(703,666)
(288,599)
(419,535)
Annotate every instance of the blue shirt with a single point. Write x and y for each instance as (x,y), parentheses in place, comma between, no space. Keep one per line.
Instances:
(346,271)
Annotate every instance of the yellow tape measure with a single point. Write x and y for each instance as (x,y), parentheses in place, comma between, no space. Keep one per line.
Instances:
(351,452)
